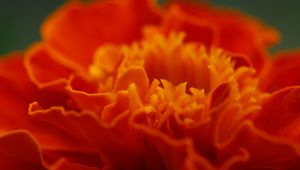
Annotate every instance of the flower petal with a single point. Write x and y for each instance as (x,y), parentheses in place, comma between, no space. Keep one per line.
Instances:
(162,152)
(285,64)
(236,33)
(18,150)
(219,95)
(63,164)
(280,114)
(85,96)
(38,62)
(265,151)
(195,29)
(72,35)
(17,94)
(134,75)
(114,142)
(75,140)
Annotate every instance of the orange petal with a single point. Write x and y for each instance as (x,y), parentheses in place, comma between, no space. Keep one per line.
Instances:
(237,33)
(17,94)
(195,29)
(134,75)
(42,69)
(284,71)
(18,150)
(265,151)
(280,114)
(226,115)
(63,164)
(219,95)
(119,106)
(72,35)
(217,126)
(72,134)
(163,152)
(115,142)
(85,96)
(107,60)
(240,60)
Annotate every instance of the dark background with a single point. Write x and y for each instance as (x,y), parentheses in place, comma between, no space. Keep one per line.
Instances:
(20,19)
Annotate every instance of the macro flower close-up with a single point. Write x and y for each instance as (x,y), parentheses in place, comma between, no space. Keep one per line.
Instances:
(142,85)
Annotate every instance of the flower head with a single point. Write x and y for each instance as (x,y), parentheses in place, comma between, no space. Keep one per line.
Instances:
(133,85)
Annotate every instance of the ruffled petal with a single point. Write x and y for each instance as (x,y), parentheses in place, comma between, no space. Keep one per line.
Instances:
(17,94)
(85,95)
(18,150)
(162,152)
(38,61)
(283,71)
(72,35)
(235,32)
(196,29)
(260,150)
(75,139)
(133,75)
(114,142)
(280,114)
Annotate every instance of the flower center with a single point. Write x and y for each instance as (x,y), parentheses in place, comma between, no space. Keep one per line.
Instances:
(183,76)
(167,58)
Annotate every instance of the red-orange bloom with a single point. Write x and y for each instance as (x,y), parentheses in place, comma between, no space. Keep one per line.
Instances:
(134,85)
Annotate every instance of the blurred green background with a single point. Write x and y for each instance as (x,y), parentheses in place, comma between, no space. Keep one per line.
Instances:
(20,20)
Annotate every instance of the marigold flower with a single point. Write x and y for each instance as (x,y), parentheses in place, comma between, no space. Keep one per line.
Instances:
(134,85)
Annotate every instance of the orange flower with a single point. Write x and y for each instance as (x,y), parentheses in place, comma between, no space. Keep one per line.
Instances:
(133,85)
